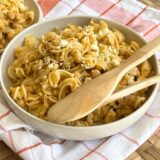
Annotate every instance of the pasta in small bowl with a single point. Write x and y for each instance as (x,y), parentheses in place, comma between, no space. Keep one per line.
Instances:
(50,60)
(15,16)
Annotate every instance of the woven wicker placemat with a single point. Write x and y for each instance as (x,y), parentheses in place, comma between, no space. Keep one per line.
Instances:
(150,150)
(152,3)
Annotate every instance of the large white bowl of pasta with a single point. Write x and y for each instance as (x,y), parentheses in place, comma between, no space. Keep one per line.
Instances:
(49,60)
(15,16)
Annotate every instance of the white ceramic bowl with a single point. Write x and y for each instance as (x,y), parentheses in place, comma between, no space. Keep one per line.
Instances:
(62,131)
(32,5)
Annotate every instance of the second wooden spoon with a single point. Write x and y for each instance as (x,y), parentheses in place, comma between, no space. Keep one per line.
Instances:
(132,89)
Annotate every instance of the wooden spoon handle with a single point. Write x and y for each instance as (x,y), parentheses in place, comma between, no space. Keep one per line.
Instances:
(132,89)
(140,56)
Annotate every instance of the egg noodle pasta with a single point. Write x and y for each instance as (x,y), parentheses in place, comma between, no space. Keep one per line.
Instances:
(48,68)
(14,17)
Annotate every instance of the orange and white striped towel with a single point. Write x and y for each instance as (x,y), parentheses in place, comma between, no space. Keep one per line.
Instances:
(32,145)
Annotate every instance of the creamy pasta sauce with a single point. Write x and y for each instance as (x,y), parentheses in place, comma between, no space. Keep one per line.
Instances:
(48,68)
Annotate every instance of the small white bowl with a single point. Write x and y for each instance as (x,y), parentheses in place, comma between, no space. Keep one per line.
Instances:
(32,5)
(62,131)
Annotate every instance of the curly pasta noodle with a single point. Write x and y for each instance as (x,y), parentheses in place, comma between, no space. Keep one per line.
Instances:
(48,68)
(14,17)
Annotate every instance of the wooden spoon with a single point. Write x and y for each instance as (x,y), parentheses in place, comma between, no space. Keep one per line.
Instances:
(132,89)
(92,94)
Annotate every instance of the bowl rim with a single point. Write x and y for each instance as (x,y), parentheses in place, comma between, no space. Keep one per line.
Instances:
(40,17)
(52,124)
(40,13)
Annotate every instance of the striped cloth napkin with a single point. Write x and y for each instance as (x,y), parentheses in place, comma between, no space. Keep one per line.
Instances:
(32,145)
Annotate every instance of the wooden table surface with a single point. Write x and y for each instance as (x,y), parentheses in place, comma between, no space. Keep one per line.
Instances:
(150,150)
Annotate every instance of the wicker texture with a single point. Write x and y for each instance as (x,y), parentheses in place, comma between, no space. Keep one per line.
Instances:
(150,150)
